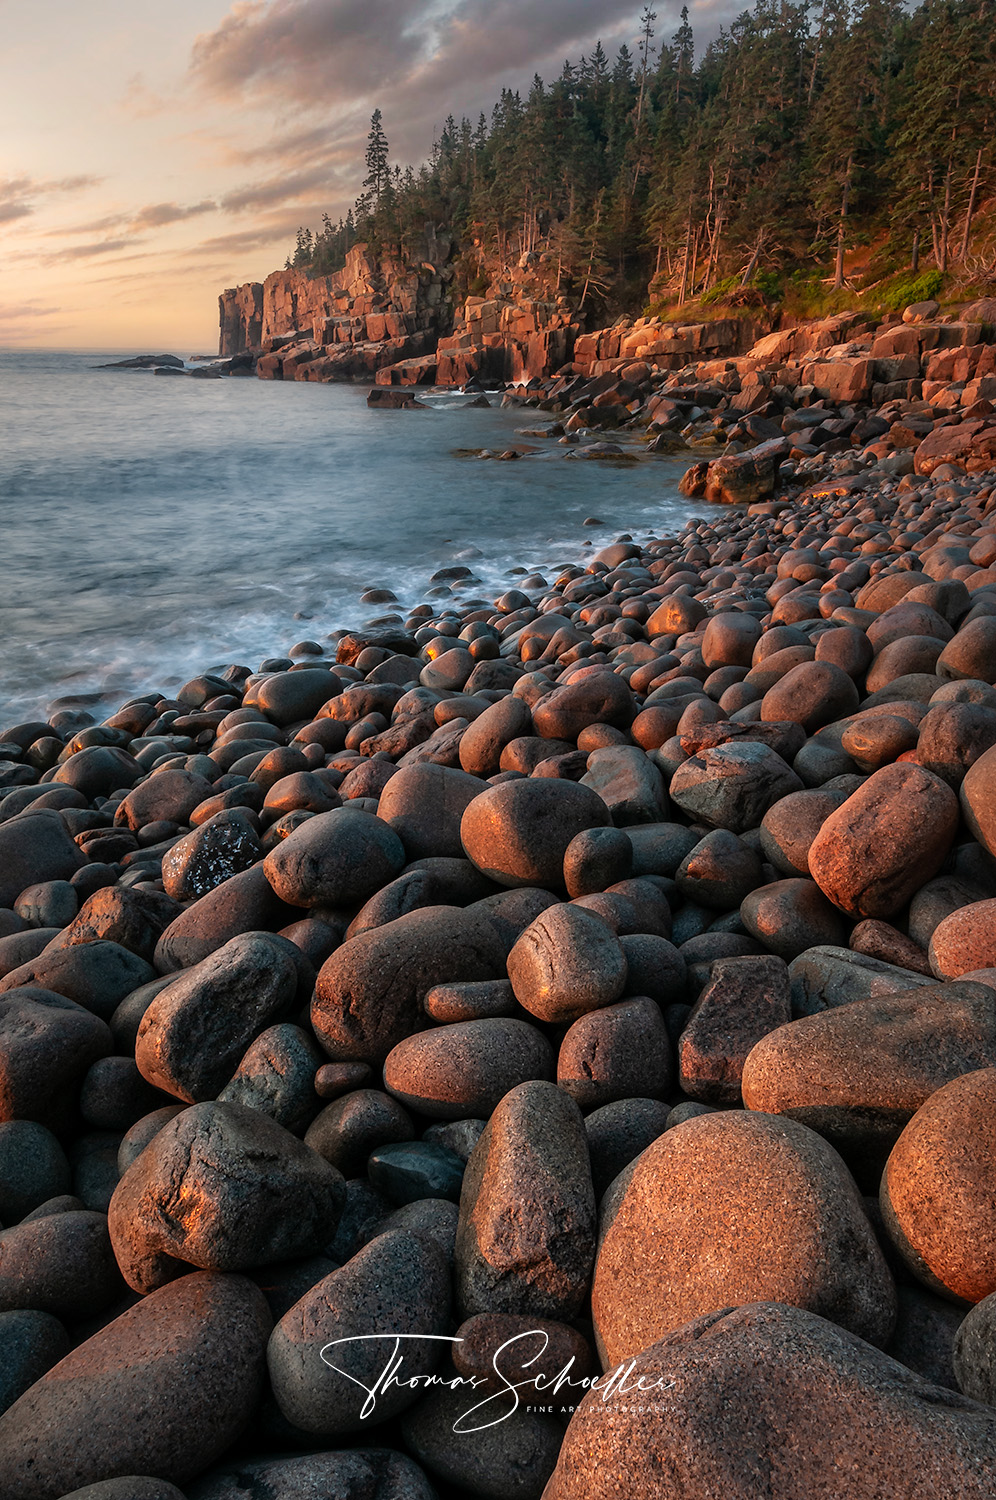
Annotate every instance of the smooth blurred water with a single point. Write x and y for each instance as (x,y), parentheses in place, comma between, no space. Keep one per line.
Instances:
(151,526)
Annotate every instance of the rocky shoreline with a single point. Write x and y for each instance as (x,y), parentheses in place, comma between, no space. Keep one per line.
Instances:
(598,981)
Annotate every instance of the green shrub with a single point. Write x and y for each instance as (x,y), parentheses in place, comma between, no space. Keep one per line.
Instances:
(904,288)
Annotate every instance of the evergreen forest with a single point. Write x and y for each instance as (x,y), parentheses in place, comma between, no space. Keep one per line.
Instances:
(809,153)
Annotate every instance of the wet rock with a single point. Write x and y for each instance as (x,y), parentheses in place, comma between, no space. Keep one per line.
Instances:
(320,1353)
(885,841)
(567,962)
(196,1030)
(190,1356)
(466,1069)
(797,1393)
(222,1188)
(938,1190)
(527,1213)
(697,1230)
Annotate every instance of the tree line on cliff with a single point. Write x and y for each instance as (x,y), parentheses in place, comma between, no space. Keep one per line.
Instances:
(800,134)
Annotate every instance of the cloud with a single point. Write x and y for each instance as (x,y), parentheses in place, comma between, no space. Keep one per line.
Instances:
(19,195)
(282,189)
(156,215)
(422,56)
(244,240)
(325,48)
(88,252)
(13,312)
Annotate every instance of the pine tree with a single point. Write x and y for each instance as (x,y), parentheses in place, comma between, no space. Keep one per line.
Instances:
(378,172)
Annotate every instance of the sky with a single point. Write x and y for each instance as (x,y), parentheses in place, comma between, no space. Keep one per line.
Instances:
(152,154)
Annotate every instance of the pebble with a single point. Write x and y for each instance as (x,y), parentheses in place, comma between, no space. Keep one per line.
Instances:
(190,1356)
(526,1237)
(223,1188)
(694,1231)
(792,1387)
(321,1352)
(565,963)
(466,1069)
(938,1193)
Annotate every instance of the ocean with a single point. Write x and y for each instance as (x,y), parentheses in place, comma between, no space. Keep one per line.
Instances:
(152,527)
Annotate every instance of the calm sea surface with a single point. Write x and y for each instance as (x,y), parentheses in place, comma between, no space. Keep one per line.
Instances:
(151,527)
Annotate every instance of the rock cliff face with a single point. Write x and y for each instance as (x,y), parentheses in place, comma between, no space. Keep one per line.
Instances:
(401,324)
(401,307)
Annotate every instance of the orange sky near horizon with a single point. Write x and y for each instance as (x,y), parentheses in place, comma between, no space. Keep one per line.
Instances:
(151,155)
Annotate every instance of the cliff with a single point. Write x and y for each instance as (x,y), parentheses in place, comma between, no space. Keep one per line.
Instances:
(408,323)
(402,307)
